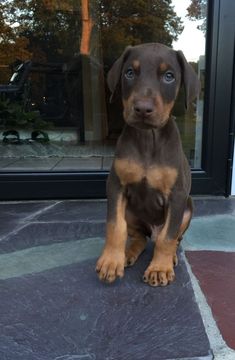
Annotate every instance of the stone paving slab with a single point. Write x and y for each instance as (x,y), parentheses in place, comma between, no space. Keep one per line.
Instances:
(215,232)
(213,205)
(215,271)
(54,308)
(210,250)
(38,234)
(66,313)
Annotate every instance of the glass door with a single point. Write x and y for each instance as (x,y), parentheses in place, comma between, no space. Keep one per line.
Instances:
(53,107)
(57,128)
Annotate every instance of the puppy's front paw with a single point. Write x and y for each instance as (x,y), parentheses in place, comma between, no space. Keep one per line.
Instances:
(110,266)
(159,273)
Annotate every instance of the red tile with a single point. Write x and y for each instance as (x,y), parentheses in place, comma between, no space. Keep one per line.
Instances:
(215,271)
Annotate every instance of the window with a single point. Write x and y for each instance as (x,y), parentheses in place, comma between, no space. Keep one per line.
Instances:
(56,122)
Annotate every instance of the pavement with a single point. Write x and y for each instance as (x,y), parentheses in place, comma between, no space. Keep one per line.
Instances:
(54,308)
(209,247)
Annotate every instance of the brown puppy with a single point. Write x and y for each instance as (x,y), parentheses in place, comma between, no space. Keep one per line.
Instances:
(149,183)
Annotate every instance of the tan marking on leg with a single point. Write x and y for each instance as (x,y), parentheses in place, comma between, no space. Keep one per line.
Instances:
(128,171)
(175,258)
(160,270)
(111,263)
(184,225)
(135,247)
(186,218)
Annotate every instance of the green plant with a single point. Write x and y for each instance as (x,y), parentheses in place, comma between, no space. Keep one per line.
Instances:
(13,115)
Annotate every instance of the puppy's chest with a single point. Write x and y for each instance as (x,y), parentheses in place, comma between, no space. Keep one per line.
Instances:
(161,178)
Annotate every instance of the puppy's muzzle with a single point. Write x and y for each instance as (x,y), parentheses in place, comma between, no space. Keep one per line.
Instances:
(143,108)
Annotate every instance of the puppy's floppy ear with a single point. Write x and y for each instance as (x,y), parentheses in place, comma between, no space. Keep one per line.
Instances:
(189,79)
(114,73)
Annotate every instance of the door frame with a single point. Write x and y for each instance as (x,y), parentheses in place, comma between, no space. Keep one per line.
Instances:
(214,177)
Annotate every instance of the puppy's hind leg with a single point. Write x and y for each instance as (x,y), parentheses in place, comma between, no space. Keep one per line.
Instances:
(137,240)
(188,212)
(135,247)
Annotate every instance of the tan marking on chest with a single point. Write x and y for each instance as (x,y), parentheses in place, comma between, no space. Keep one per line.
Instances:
(128,171)
(162,178)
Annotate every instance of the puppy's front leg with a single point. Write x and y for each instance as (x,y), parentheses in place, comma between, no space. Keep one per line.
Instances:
(111,263)
(160,271)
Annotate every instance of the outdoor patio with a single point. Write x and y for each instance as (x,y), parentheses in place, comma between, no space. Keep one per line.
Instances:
(53,306)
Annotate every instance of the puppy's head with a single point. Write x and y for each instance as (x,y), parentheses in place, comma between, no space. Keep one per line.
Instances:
(149,77)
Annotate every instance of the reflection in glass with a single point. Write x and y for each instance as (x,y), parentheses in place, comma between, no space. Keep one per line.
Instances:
(192,42)
(54,56)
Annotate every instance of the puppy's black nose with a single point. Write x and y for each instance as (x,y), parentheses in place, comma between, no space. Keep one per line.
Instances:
(143,107)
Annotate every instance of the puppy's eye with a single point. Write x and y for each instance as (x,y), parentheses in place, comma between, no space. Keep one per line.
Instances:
(168,77)
(129,74)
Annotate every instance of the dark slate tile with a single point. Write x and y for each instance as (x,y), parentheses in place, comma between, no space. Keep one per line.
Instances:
(66,313)
(20,210)
(76,211)
(213,206)
(36,234)
(6,227)
(13,214)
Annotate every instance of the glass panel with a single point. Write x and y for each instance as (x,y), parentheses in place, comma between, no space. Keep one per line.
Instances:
(55,113)
(192,42)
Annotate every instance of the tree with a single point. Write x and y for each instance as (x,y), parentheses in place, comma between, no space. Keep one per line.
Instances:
(56,29)
(12,45)
(123,24)
(87,24)
(197,10)
(52,27)
(59,31)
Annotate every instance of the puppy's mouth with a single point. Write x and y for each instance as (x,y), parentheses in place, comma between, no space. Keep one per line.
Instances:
(154,121)
(144,124)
